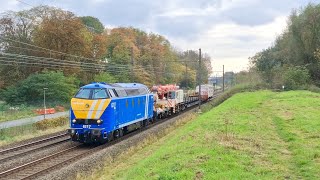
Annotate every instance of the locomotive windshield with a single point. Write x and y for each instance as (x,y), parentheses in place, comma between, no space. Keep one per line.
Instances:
(92,94)
(99,94)
(83,94)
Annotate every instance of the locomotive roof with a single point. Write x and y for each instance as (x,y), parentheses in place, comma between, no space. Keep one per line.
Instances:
(130,85)
(95,85)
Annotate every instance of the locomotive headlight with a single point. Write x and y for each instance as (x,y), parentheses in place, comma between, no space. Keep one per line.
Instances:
(74,121)
(99,121)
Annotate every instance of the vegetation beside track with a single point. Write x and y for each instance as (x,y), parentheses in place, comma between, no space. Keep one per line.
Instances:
(262,134)
(9,113)
(16,134)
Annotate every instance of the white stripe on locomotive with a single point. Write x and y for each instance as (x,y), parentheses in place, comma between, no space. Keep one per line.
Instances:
(92,109)
(99,110)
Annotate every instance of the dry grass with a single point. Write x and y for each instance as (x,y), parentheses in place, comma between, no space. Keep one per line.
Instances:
(16,134)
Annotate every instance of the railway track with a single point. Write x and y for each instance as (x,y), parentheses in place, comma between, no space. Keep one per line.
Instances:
(18,151)
(49,163)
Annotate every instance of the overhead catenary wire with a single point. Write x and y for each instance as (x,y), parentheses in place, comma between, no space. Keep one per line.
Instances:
(12,62)
(25,64)
(42,61)
(74,63)
(48,50)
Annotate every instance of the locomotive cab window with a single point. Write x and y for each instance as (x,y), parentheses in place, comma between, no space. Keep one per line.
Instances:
(99,94)
(83,94)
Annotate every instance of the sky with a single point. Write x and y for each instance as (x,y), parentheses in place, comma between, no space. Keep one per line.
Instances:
(230,31)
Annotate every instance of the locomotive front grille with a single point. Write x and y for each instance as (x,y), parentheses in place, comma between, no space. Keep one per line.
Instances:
(86,121)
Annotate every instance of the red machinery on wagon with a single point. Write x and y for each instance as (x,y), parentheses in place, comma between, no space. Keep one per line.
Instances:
(168,99)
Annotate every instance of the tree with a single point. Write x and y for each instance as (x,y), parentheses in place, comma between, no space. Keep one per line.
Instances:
(30,90)
(296,77)
(104,77)
(93,24)
(296,47)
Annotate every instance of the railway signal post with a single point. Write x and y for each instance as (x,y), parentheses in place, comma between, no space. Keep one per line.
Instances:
(44,102)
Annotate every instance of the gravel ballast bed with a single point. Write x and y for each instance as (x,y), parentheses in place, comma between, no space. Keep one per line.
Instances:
(90,163)
(11,145)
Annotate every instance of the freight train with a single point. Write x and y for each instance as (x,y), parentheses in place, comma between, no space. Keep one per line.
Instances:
(101,112)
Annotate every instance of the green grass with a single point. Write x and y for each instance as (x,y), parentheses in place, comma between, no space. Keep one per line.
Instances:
(253,135)
(23,111)
(15,134)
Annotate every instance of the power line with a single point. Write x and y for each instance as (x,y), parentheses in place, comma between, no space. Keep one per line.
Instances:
(63,64)
(50,50)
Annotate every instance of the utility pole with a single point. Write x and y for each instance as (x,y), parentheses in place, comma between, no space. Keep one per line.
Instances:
(44,103)
(132,65)
(187,85)
(186,74)
(199,79)
(223,78)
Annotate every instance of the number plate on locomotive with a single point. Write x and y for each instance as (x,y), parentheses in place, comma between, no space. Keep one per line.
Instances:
(86,126)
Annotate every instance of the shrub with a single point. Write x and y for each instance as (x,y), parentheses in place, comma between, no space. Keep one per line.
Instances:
(296,78)
(60,88)
(314,88)
(51,123)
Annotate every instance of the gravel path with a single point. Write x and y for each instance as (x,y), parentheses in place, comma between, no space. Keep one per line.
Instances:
(90,163)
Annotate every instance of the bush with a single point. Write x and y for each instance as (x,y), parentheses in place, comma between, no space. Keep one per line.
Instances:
(296,78)
(314,88)
(30,90)
(51,123)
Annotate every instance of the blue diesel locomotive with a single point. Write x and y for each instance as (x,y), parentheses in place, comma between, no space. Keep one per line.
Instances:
(101,112)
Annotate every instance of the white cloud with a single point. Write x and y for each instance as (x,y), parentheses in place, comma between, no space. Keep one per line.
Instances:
(232,44)
(182,12)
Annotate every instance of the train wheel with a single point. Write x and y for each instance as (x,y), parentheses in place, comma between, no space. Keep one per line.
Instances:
(110,137)
(102,140)
(121,132)
(116,134)
(146,123)
(125,130)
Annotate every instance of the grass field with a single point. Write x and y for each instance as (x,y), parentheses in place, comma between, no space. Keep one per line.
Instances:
(16,134)
(23,111)
(256,135)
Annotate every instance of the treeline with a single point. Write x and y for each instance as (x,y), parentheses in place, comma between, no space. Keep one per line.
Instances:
(294,59)
(79,50)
